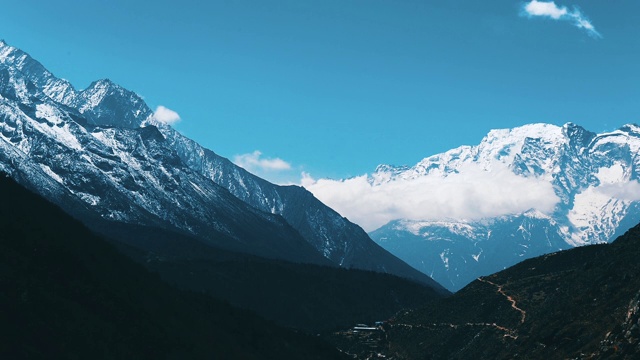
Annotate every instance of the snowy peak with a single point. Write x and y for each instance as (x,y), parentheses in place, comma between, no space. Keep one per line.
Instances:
(627,138)
(540,150)
(592,194)
(499,148)
(102,103)
(102,147)
(578,137)
(504,143)
(507,146)
(108,104)
(631,129)
(59,90)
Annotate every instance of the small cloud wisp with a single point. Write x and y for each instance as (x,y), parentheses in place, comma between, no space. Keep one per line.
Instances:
(166,115)
(551,10)
(254,162)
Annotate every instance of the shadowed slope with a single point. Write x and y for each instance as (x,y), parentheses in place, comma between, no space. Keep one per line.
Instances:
(69,294)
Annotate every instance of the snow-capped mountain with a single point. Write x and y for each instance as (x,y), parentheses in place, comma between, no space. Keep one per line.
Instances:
(455,252)
(332,235)
(594,178)
(100,151)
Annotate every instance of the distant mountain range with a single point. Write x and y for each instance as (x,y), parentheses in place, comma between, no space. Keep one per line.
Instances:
(594,178)
(101,155)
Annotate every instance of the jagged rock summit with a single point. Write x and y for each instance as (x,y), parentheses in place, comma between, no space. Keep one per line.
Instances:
(100,155)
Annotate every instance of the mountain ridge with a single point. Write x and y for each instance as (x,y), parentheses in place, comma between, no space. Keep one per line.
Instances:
(593,179)
(104,146)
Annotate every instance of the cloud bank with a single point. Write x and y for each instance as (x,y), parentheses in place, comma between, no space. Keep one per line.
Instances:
(255,163)
(551,10)
(166,115)
(472,194)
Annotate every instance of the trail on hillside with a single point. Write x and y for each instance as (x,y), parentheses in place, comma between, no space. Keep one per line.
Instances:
(514,305)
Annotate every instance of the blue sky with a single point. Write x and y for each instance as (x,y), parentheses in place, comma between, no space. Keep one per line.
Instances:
(335,87)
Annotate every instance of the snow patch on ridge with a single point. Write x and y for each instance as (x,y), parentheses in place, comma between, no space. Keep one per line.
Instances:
(417,228)
(595,217)
(52,174)
(5,51)
(61,134)
(95,96)
(50,113)
(88,198)
(613,174)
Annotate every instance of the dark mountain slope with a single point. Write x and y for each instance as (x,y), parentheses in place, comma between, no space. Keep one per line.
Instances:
(303,296)
(579,303)
(69,294)
(331,234)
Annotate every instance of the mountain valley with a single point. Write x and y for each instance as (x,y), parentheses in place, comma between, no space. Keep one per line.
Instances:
(101,157)
(581,303)
(123,238)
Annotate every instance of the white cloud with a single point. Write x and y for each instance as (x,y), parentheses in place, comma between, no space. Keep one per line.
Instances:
(629,191)
(541,8)
(254,162)
(472,194)
(306,180)
(166,115)
(553,11)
